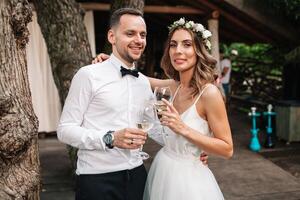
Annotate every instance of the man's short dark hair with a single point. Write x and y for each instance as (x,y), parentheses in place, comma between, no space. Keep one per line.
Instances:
(117,14)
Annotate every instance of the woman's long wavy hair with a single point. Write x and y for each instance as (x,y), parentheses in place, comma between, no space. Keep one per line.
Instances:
(205,69)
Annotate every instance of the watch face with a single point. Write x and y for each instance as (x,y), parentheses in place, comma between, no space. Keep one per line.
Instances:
(107,138)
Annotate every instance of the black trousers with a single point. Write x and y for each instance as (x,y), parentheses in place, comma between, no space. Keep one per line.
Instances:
(121,185)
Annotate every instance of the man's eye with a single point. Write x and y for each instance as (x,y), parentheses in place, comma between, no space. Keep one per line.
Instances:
(129,34)
(143,35)
(173,45)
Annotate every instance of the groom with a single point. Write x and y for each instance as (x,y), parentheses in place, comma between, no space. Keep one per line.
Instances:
(97,116)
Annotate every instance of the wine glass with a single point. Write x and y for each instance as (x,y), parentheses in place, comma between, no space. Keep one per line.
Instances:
(145,121)
(160,93)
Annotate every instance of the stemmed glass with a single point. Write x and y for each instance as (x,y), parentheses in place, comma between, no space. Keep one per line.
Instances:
(160,93)
(145,121)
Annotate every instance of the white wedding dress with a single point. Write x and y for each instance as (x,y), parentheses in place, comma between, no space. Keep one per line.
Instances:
(177,172)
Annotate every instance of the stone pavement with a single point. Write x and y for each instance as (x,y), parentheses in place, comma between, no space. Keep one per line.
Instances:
(272,174)
(57,181)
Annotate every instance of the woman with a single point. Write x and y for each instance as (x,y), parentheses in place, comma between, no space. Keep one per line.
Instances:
(196,120)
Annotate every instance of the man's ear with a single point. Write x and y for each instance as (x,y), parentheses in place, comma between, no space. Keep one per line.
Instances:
(111,36)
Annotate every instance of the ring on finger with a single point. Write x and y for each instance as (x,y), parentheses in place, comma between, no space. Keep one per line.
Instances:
(131,141)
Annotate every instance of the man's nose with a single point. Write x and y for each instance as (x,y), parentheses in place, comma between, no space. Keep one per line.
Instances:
(139,39)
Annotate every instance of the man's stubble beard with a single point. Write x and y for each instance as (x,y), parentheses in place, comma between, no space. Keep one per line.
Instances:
(126,56)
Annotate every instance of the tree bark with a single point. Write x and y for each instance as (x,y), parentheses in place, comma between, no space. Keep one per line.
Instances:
(19,163)
(137,4)
(62,25)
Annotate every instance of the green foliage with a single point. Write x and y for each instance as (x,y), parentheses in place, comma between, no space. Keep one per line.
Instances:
(290,8)
(256,51)
(293,56)
(261,53)
(257,70)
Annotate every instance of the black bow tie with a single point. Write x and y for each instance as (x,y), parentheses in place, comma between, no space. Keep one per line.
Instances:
(125,71)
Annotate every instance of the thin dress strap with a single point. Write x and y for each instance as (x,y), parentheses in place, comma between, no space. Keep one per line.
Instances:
(176,91)
(206,86)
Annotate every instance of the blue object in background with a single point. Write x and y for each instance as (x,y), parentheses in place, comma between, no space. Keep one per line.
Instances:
(254,143)
(269,143)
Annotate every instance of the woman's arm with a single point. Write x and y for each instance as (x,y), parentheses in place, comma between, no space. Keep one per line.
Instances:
(100,58)
(155,82)
(215,112)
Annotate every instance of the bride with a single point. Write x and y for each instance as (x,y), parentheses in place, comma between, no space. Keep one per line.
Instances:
(195,121)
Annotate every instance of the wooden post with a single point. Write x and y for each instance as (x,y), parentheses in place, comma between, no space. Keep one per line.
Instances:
(213,27)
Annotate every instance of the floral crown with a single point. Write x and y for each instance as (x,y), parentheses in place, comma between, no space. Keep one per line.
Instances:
(195,27)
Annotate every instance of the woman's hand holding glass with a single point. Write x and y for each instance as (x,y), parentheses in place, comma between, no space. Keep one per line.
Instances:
(171,118)
(160,94)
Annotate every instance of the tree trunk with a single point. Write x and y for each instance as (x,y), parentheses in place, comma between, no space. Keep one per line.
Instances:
(62,25)
(19,163)
(137,4)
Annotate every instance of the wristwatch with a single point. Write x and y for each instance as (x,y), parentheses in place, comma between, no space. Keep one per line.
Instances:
(108,139)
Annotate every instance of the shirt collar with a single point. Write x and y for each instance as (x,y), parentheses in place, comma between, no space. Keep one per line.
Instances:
(118,63)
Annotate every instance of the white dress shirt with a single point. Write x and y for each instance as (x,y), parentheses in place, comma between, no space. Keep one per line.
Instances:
(99,100)
(226,63)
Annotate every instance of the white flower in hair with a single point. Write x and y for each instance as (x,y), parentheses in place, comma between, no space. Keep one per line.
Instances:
(199,27)
(192,24)
(195,27)
(208,44)
(181,21)
(188,25)
(206,34)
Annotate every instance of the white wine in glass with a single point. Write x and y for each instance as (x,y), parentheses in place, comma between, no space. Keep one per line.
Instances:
(145,121)
(145,125)
(162,93)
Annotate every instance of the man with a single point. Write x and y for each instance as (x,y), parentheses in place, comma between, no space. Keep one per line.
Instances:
(97,119)
(225,73)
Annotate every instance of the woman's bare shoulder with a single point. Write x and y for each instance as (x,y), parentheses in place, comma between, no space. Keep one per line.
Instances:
(212,93)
